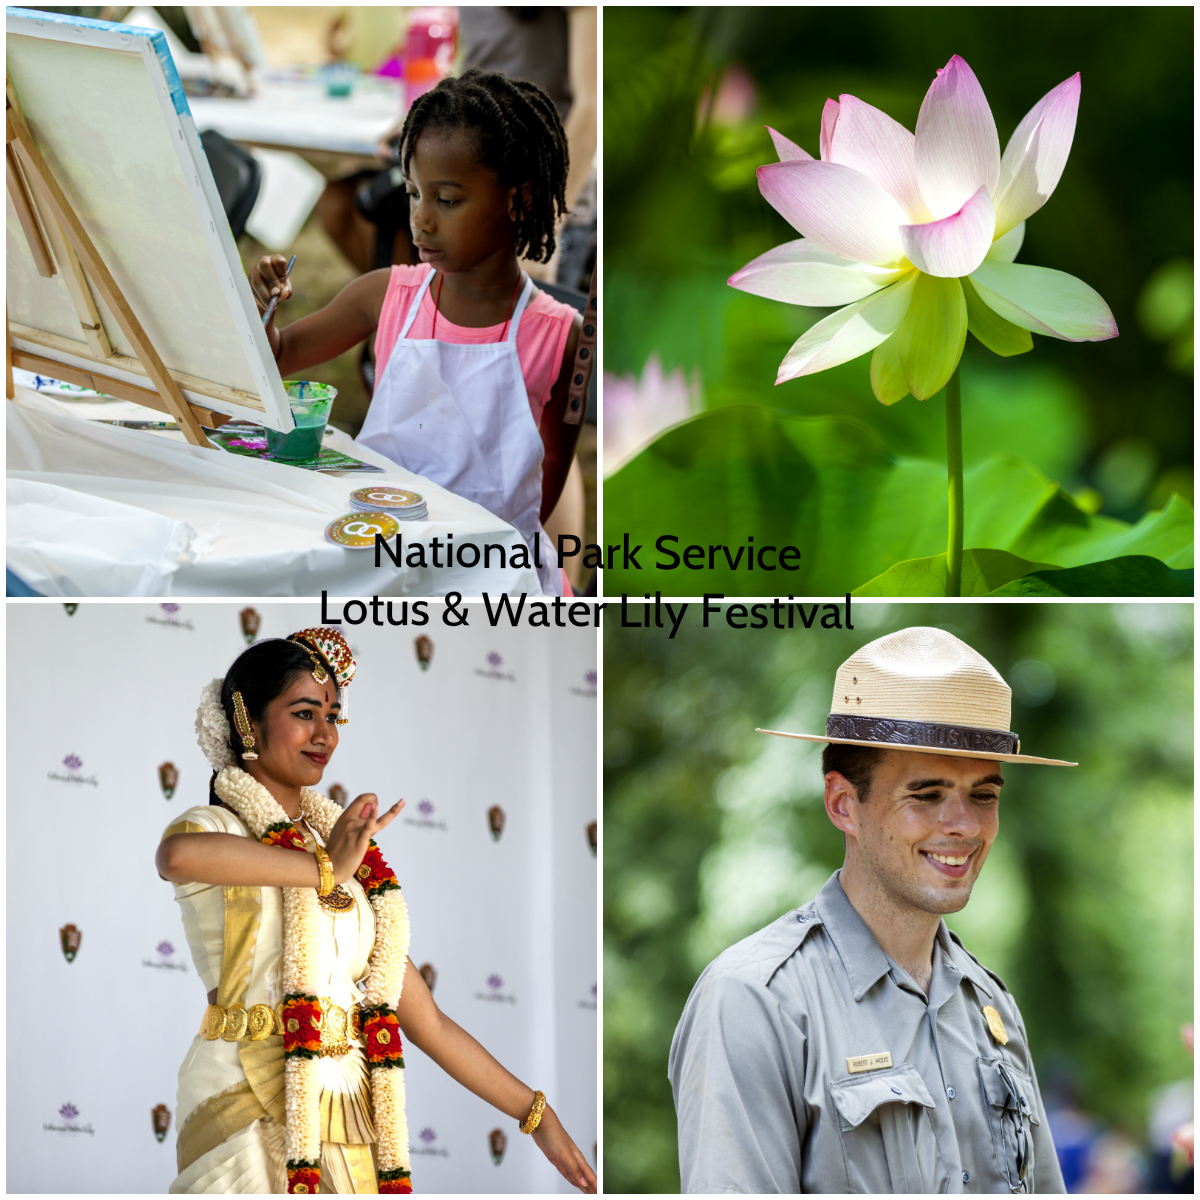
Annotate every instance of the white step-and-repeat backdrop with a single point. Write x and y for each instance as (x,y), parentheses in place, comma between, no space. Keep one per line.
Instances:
(490,737)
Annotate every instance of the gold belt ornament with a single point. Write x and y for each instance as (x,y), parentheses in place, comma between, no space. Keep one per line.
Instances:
(236,1024)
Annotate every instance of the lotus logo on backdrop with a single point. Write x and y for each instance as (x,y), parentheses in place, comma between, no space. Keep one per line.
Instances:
(592,835)
(496,821)
(495,984)
(67,1113)
(72,762)
(72,609)
(165,961)
(168,778)
(497,1143)
(429,974)
(250,622)
(494,662)
(589,686)
(424,648)
(169,618)
(425,818)
(160,1114)
(338,794)
(427,1137)
(70,937)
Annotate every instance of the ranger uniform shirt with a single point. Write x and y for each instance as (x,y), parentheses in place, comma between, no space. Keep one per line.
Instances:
(766,1098)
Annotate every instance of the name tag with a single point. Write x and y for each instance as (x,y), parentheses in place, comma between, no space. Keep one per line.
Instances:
(869,1062)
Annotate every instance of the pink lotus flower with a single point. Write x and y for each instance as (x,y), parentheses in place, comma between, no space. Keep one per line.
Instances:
(917,236)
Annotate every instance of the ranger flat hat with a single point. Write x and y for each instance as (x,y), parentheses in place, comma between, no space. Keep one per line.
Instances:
(923,690)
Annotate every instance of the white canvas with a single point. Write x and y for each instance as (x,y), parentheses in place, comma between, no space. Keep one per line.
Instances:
(109,115)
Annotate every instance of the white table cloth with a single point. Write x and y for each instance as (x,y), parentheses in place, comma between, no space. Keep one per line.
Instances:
(298,115)
(100,510)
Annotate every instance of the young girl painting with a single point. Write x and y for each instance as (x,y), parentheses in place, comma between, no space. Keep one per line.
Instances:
(474,362)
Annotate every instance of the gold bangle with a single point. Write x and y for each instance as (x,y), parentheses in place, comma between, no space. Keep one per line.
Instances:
(326,869)
(535,1113)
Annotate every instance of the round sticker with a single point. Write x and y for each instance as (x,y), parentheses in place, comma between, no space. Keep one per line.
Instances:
(385,498)
(357,530)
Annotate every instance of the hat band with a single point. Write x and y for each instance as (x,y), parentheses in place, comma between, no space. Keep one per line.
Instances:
(920,733)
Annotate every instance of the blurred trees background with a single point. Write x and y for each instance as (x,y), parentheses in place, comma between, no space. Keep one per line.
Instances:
(686,94)
(1085,906)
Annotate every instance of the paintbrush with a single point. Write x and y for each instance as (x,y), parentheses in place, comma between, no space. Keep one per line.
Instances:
(275,299)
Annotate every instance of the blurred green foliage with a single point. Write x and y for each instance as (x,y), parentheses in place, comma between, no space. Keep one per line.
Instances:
(1085,907)
(1110,421)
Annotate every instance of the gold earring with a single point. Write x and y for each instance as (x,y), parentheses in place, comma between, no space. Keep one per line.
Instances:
(241,719)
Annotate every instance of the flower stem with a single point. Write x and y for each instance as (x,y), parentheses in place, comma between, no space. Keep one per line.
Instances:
(954,476)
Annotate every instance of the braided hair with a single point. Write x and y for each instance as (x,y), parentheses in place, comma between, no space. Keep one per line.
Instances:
(517,134)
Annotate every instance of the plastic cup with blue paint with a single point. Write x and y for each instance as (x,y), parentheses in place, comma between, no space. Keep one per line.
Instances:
(310,403)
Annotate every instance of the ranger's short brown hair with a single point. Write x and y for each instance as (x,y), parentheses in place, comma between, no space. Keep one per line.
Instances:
(857,764)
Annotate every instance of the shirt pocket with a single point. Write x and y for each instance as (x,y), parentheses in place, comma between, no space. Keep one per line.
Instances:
(887,1132)
(1012,1112)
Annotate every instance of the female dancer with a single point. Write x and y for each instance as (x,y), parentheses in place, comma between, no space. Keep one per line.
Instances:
(299,929)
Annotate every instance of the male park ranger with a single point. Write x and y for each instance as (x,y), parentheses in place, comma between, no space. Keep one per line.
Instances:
(854,1045)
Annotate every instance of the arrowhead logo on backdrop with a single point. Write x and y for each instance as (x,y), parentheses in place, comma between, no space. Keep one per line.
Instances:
(338,794)
(161,1116)
(429,974)
(424,648)
(70,937)
(251,622)
(168,778)
(71,609)
(498,1143)
(496,821)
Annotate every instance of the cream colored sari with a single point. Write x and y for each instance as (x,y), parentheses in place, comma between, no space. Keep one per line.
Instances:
(230,1104)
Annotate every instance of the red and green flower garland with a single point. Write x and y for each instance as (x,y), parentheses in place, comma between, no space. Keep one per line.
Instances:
(301,1013)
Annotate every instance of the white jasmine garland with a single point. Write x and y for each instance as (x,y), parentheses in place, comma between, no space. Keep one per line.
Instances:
(259,810)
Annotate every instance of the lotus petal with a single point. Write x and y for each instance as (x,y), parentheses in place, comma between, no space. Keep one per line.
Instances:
(829,117)
(849,332)
(957,147)
(932,335)
(800,272)
(787,149)
(881,149)
(998,335)
(842,211)
(887,375)
(1006,248)
(954,245)
(1044,301)
(1036,155)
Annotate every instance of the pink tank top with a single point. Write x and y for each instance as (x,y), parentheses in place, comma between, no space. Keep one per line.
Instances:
(541,336)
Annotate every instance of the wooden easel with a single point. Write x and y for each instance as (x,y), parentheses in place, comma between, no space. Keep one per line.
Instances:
(80,264)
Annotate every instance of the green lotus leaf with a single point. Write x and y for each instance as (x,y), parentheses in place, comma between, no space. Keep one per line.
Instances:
(830,487)
(983,571)
(1132,575)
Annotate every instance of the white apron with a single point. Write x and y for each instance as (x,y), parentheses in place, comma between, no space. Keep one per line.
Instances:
(459,415)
